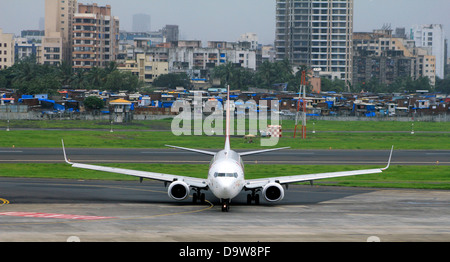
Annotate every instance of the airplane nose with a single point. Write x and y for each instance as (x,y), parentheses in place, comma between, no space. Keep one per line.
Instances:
(227,183)
(226,188)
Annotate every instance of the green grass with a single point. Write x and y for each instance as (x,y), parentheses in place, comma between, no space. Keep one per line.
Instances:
(347,135)
(420,177)
(370,135)
(139,139)
(165,124)
(384,126)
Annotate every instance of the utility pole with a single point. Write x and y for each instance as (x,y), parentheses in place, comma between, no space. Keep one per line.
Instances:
(304,106)
(302,90)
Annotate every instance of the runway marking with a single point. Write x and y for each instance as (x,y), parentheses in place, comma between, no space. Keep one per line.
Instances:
(4,202)
(74,220)
(437,153)
(55,216)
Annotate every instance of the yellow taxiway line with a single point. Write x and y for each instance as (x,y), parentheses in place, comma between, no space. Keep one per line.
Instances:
(4,201)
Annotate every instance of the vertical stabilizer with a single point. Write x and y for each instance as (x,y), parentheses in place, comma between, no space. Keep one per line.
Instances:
(227,126)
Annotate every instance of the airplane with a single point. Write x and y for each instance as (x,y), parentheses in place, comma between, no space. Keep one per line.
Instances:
(226,177)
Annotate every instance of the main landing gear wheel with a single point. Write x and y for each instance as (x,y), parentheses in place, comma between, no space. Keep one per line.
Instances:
(253,197)
(199,197)
(225,205)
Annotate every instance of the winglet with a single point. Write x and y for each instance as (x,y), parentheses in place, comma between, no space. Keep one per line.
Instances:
(64,151)
(390,157)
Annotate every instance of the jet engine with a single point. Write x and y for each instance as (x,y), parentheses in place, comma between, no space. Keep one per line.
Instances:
(273,192)
(179,190)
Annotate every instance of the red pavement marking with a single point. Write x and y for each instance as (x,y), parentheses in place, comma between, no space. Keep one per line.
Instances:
(48,215)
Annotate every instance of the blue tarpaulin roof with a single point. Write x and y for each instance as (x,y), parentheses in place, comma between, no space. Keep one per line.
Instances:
(56,106)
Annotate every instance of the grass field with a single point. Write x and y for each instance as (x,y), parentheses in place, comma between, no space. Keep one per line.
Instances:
(139,139)
(346,135)
(330,134)
(165,124)
(421,177)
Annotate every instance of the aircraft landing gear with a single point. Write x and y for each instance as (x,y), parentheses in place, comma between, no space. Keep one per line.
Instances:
(253,197)
(225,205)
(198,197)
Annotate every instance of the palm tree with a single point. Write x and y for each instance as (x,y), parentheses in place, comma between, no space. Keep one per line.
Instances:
(65,72)
(111,67)
(96,78)
(266,74)
(79,80)
(224,72)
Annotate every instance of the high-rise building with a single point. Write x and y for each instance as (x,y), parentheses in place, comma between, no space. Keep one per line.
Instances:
(171,33)
(58,31)
(141,23)
(433,37)
(95,36)
(316,33)
(6,50)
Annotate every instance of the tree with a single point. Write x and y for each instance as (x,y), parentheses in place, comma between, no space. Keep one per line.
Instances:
(224,72)
(79,79)
(266,75)
(423,83)
(122,81)
(235,76)
(443,85)
(93,103)
(278,72)
(30,78)
(333,85)
(172,80)
(96,77)
(65,73)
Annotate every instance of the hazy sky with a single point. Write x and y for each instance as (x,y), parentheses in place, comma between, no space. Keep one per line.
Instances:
(227,20)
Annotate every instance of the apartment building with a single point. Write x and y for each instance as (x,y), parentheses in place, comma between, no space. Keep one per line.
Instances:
(6,50)
(24,48)
(189,56)
(145,67)
(432,37)
(252,38)
(383,56)
(316,33)
(58,31)
(95,36)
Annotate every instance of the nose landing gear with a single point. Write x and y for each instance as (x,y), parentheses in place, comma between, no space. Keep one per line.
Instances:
(225,205)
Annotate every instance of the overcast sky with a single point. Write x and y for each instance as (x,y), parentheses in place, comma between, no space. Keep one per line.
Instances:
(227,20)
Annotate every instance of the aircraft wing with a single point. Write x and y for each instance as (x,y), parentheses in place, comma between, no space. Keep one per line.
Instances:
(259,183)
(191,181)
(261,151)
(194,150)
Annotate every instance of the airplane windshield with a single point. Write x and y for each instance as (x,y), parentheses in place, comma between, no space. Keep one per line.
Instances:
(235,175)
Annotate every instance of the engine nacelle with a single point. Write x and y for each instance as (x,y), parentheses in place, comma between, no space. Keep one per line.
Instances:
(179,190)
(273,192)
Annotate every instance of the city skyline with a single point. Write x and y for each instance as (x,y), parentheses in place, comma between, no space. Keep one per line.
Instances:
(211,20)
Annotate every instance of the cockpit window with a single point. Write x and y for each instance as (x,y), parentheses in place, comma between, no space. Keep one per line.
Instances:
(235,175)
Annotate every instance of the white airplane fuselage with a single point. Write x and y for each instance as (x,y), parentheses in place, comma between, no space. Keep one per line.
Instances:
(226,175)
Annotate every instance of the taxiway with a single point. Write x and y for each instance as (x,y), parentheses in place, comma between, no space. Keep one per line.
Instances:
(32,210)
